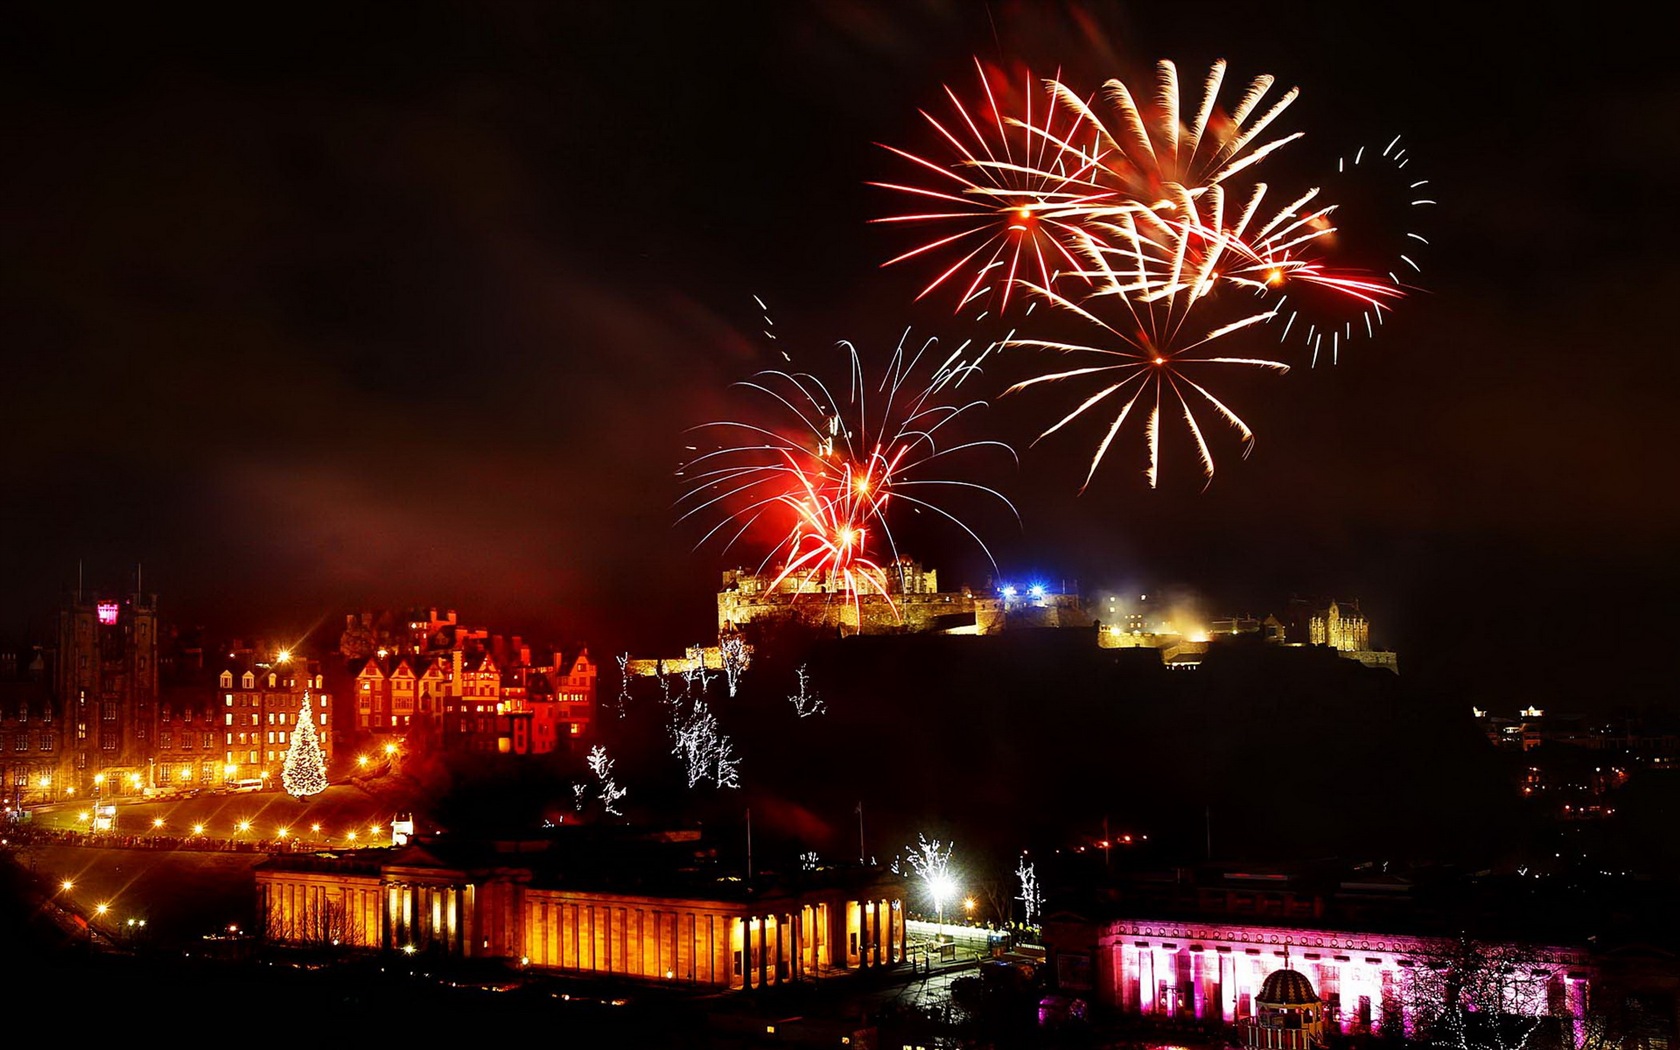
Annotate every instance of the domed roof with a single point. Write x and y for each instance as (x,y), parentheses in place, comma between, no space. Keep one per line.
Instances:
(1287,988)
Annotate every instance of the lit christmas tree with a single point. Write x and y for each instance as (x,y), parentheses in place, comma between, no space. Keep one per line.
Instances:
(305,770)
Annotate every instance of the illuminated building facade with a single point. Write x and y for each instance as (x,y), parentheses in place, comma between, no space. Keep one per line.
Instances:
(29,730)
(913,604)
(261,702)
(116,711)
(471,701)
(1222,972)
(650,917)
(105,689)
(1339,626)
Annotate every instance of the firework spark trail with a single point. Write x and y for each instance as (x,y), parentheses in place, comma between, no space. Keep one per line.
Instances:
(825,477)
(1150,365)
(1160,238)
(1009,202)
(1153,150)
(1345,276)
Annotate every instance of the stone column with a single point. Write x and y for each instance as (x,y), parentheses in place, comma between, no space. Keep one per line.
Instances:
(776,970)
(763,952)
(746,953)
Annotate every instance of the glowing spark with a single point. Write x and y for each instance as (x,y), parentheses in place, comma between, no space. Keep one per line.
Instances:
(822,481)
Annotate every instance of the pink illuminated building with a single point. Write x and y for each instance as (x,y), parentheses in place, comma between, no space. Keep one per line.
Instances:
(1229,973)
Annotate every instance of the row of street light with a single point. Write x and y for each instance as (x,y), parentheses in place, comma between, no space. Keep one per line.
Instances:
(136,782)
(244,827)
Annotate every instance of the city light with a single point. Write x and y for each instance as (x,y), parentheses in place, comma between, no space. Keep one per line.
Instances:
(198,829)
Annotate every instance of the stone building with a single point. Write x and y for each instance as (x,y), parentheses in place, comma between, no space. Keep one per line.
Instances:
(473,700)
(122,707)
(1340,626)
(262,698)
(1223,971)
(105,686)
(29,729)
(602,901)
(911,604)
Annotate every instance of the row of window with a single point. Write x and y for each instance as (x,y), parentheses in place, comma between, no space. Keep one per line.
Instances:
(275,718)
(169,773)
(249,681)
(272,700)
(166,740)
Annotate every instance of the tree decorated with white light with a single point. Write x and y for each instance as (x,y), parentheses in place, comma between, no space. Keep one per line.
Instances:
(931,862)
(305,770)
(736,655)
(1031,896)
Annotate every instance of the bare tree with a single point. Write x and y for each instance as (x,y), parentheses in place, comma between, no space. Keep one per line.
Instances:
(601,766)
(806,702)
(1465,994)
(736,656)
(1032,896)
(318,923)
(623,684)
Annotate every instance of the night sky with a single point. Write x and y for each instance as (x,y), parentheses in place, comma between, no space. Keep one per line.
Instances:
(310,309)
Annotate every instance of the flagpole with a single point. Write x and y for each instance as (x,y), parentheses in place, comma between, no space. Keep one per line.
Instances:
(749,847)
(861,853)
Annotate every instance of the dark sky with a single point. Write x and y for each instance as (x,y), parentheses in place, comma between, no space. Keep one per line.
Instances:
(316,308)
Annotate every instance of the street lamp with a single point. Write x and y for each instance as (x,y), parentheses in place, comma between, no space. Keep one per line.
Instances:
(942,887)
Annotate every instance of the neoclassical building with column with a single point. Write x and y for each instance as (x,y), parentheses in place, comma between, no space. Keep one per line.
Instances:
(1218,971)
(591,901)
